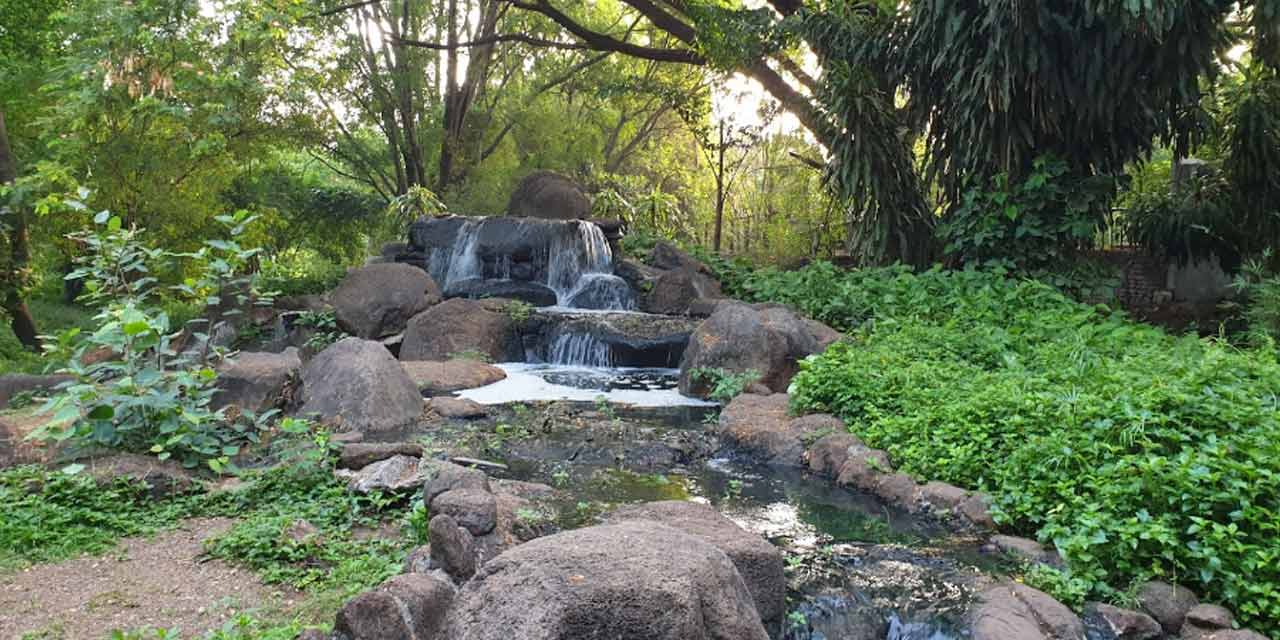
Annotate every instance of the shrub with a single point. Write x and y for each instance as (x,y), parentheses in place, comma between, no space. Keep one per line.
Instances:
(1136,453)
(295,273)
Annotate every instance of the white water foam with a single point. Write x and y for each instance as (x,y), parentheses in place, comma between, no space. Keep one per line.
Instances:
(523,384)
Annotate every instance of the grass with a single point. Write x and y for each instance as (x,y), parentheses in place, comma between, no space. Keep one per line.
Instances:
(52,316)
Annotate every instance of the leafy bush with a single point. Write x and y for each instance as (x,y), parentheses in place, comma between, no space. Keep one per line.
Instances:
(725,385)
(1136,453)
(1194,223)
(1260,288)
(295,273)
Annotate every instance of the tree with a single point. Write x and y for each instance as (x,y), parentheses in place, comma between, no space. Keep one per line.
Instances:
(14,242)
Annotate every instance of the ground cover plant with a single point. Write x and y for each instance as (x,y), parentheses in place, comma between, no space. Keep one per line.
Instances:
(1137,453)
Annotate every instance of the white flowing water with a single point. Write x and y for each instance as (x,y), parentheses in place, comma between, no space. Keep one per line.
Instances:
(530,383)
(580,349)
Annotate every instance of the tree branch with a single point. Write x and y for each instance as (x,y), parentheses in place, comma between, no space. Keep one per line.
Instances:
(604,42)
(496,38)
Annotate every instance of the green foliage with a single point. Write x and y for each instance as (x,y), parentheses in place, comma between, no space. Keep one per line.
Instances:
(1197,221)
(475,355)
(1060,584)
(1033,223)
(151,397)
(1261,289)
(242,627)
(1135,453)
(299,272)
(323,326)
(519,311)
(725,385)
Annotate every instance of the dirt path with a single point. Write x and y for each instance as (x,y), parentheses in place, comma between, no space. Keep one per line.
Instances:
(156,582)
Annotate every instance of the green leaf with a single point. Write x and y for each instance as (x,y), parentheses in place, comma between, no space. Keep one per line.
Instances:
(73,469)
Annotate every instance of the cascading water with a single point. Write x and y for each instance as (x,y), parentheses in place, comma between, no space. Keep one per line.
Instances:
(580,271)
(579,349)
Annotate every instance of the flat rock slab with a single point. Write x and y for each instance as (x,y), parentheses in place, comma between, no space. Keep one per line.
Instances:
(1013,611)
(435,378)
(161,581)
(458,408)
(761,425)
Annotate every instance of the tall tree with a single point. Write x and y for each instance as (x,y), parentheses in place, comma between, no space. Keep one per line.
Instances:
(15,243)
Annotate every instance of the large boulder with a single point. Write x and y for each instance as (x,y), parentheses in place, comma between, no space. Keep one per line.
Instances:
(630,581)
(546,194)
(257,381)
(459,326)
(761,426)
(759,562)
(1013,611)
(376,301)
(1121,624)
(538,295)
(1167,603)
(668,257)
(355,385)
(766,339)
(675,292)
(435,378)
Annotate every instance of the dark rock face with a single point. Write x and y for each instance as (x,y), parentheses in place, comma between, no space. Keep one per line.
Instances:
(675,292)
(759,562)
(449,476)
(377,300)
(358,455)
(458,326)
(631,339)
(256,381)
(412,605)
(601,293)
(546,194)
(476,510)
(766,339)
(1167,603)
(356,385)
(445,377)
(1121,624)
(668,257)
(630,581)
(538,295)
(452,547)
(1013,611)
(11,384)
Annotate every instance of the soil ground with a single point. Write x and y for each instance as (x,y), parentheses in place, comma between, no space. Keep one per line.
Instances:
(160,581)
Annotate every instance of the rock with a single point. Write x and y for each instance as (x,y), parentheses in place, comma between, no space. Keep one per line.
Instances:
(459,326)
(829,454)
(397,474)
(407,606)
(635,339)
(1167,603)
(538,295)
(163,478)
(1024,549)
(863,468)
(674,292)
(256,381)
(355,384)
(457,407)
(601,291)
(445,377)
(898,489)
(359,455)
(638,275)
(1013,611)
(473,509)
(378,300)
(977,510)
(452,547)
(1210,616)
(1235,634)
(941,496)
(1123,624)
(668,257)
(418,560)
(758,562)
(764,338)
(448,476)
(312,634)
(629,581)
(546,194)
(302,532)
(760,425)
(305,302)
(12,384)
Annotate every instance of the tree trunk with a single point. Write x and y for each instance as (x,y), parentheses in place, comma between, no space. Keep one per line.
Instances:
(719,192)
(24,327)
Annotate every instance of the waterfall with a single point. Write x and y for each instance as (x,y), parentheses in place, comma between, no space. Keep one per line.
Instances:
(464,263)
(580,271)
(580,349)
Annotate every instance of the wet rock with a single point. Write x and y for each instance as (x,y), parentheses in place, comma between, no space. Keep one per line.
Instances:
(452,547)
(898,489)
(1210,616)
(448,476)
(669,257)
(941,496)
(1121,624)
(765,338)
(397,474)
(546,194)
(457,408)
(760,425)
(538,295)
(356,385)
(601,291)
(460,326)
(674,292)
(629,581)
(1013,611)
(441,378)
(977,510)
(473,509)
(829,454)
(1235,634)
(1167,603)
(12,384)
(256,381)
(863,469)
(411,605)
(359,455)
(378,300)
(758,562)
